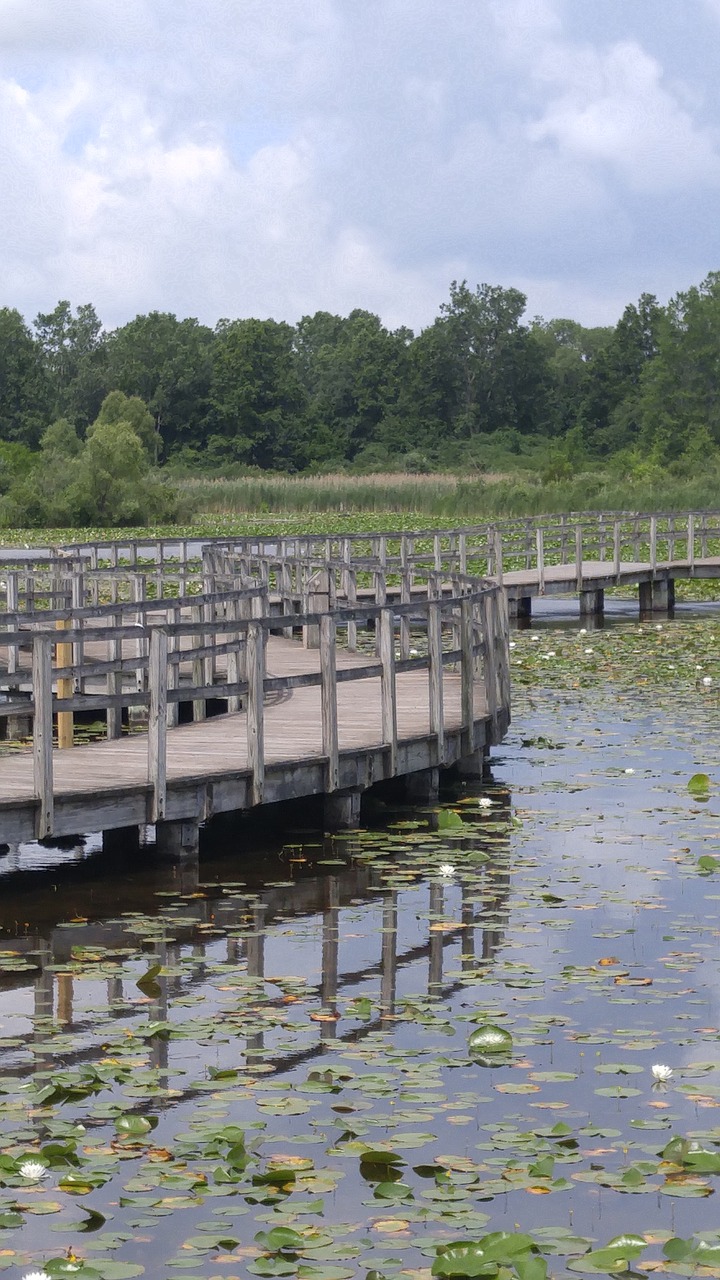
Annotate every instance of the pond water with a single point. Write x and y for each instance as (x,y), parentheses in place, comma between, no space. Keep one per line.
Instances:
(265,1066)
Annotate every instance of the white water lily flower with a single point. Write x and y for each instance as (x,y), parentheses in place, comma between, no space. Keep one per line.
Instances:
(629,770)
(446,870)
(582,631)
(512,645)
(36,1275)
(707,679)
(33,1170)
(484,802)
(661,1073)
(589,650)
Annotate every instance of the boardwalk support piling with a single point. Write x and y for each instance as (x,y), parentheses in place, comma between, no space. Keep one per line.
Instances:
(423,787)
(177,841)
(657,596)
(592,604)
(341,811)
(520,607)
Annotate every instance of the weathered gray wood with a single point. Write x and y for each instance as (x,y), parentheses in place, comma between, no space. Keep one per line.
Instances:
(388,687)
(653,543)
(578,556)
(42,734)
(467,674)
(12,605)
(540,557)
(138,592)
(198,665)
(498,556)
(690,540)
(114,688)
(616,548)
(157,722)
(489,656)
(255,710)
(328,700)
(435,675)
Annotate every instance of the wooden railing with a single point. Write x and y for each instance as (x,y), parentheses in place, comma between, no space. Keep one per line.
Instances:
(156,653)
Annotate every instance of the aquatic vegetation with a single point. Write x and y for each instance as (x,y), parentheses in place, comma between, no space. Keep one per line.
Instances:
(378,1053)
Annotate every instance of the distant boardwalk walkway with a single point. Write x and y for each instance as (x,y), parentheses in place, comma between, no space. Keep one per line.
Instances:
(265,669)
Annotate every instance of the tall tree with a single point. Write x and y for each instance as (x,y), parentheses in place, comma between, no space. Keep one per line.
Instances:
(679,399)
(168,363)
(258,401)
(354,371)
(609,411)
(487,370)
(24,388)
(74,358)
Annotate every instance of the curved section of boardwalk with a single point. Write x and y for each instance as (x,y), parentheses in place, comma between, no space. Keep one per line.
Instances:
(302,712)
(267,631)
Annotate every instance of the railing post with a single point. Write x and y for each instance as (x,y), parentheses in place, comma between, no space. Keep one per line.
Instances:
(616,549)
(388,700)
(65,687)
(198,665)
(578,556)
(328,701)
(653,543)
(405,597)
(540,552)
(173,671)
(255,710)
(12,607)
(690,541)
(467,674)
(234,660)
(498,551)
(435,676)
(77,600)
(490,671)
(138,584)
(114,681)
(157,721)
(352,602)
(42,734)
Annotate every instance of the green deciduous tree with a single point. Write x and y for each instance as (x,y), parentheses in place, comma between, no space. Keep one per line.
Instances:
(258,401)
(168,363)
(24,387)
(609,411)
(73,351)
(119,409)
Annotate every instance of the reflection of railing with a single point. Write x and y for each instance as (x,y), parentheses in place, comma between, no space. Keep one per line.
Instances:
(339,977)
(156,651)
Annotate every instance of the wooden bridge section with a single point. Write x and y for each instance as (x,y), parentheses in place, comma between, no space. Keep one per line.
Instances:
(263,657)
(263,669)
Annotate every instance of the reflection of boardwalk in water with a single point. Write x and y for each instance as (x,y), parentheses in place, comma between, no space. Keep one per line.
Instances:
(246,934)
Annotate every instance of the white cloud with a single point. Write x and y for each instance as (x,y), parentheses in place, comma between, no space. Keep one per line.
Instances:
(231,159)
(613,107)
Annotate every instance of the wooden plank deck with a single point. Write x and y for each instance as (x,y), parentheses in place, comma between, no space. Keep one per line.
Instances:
(107,781)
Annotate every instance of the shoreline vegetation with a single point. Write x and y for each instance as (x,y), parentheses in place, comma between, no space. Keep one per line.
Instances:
(483,414)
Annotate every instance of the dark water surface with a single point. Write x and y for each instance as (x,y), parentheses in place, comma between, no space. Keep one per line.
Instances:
(279,1038)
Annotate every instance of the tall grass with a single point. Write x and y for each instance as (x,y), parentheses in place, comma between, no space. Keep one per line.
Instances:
(451,497)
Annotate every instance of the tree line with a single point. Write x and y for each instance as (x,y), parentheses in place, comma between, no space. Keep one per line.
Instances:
(336,391)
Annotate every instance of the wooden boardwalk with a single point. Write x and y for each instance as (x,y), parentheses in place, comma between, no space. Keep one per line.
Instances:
(298,717)
(166,629)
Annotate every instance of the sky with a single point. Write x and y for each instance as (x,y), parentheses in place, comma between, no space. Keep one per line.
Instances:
(273,158)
